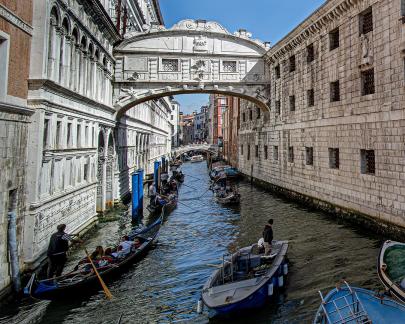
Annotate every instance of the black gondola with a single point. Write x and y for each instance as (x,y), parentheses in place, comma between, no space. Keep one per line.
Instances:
(85,280)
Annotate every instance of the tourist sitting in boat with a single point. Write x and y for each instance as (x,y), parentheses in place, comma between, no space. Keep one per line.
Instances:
(126,244)
(137,243)
(165,188)
(98,253)
(173,186)
(119,254)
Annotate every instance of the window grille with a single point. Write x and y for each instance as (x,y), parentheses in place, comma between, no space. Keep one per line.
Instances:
(277,72)
(367,79)
(229,66)
(248,152)
(292,63)
(257,151)
(292,103)
(266,152)
(278,107)
(275,153)
(243,117)
(367,161)
(334,158)
(170,65)
(250,114)
(366,21)
(334,91)
(334,39)
(291,154)
(310,53)
(309,154)
(311,98)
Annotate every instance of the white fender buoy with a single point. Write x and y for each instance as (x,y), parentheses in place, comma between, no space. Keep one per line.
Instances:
(270,290)
(285,268)
(200,306)
(280,281)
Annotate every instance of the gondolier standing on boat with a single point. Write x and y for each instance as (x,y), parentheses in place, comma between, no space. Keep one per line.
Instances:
(268,236)
(58,246)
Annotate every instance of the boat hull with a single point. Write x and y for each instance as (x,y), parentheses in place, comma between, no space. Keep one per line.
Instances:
(379,309)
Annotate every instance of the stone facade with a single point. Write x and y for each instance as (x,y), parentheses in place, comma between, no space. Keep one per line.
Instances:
(230,130)
(337,122)
(15,43)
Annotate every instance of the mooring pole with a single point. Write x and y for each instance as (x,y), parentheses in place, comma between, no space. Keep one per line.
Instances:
(135,196)
(156,174)
(13,250)
(140,192)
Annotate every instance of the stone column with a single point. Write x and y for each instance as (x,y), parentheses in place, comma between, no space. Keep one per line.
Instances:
(67,61)
(52,49)
(58,42)
(83,75)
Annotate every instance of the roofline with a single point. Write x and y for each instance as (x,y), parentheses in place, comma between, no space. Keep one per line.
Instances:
(158,11)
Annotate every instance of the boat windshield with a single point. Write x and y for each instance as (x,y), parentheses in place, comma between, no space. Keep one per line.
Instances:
(394,258)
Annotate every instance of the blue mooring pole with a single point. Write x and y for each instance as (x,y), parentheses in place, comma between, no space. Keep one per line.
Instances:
(156,174)
(140,192)
(164,164)
(135,196)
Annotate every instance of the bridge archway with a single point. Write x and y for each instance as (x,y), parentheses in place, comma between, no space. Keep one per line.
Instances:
(194,56)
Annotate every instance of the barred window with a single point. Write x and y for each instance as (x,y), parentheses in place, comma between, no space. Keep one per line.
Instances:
(367,82)
(310,53)
(366,21)
(170,65)
(241,150)
(229,66)
(334,39)
(248,152)
(334,91)
(258,113)
(257,151)
(311,98)
(367,161)
(266,156)
(333,158)
(292,63)
(292,103)
(277,71)
(291,154)
(278,107)
(309,155)
(250,114)
(275,153)
(243,116)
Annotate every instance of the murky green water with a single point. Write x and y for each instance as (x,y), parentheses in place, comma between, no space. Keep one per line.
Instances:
(165,286)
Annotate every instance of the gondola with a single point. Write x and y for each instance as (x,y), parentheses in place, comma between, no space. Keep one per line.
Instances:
(391,268)
(246,280)
(231,198)
(348,305)
(85,280)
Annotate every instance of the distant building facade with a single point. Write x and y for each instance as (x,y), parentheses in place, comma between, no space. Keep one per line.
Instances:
(230,131)
(217,104)
(200,124)
(174,121)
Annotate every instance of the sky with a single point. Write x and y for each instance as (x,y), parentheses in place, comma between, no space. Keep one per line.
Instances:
(267,20)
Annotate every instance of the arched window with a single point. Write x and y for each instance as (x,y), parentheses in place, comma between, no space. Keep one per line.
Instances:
(64,53)
(53,50)
(75,60)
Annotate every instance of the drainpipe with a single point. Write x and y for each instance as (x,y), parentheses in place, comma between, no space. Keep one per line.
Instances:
(13,249)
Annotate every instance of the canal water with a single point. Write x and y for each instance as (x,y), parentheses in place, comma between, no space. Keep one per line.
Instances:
(166,285)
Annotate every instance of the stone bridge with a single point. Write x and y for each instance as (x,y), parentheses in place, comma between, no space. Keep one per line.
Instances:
(194,147)
(194,56)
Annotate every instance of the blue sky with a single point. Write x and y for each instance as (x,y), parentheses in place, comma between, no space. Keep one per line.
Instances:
(267,20)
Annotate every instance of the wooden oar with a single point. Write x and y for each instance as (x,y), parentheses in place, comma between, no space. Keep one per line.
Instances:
(105,288)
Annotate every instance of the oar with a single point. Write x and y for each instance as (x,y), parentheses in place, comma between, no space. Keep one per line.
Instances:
(105,288)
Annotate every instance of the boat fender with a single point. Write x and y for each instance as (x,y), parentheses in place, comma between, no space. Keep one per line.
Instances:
(200,306)
(280,281)
(270,290)
(285,268)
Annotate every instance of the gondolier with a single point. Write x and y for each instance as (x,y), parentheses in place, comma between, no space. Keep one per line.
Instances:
(58,246)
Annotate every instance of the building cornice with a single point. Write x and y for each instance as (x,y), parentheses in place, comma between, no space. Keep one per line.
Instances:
(101,18)
(12,18)
(15,109)
(329,12)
